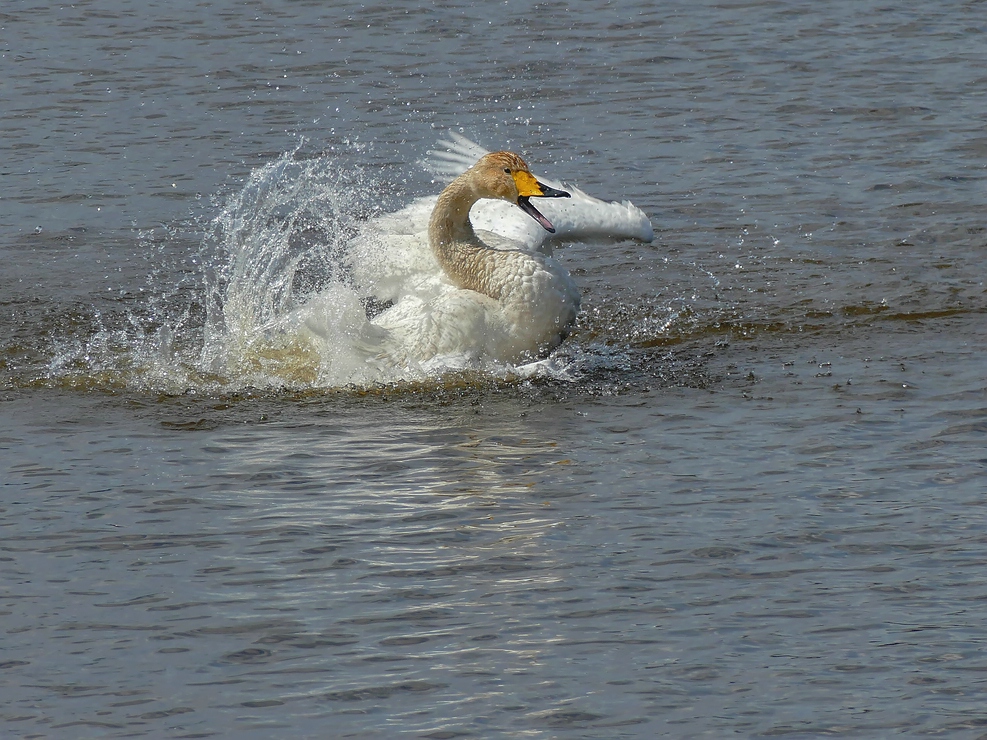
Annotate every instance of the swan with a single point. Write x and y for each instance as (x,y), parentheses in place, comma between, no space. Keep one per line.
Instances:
(467,277)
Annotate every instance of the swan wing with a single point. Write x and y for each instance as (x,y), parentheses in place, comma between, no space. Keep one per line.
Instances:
(579,218)
(583,217)
(390,266)
(457,156)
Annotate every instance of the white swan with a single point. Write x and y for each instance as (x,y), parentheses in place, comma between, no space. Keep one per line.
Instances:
(466,277)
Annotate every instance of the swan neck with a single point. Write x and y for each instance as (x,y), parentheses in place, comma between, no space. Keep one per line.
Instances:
(456,246)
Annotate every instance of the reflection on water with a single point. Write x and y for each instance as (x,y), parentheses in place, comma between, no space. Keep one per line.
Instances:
(581,565)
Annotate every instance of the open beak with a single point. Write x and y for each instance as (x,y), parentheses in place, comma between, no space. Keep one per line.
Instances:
(529,187)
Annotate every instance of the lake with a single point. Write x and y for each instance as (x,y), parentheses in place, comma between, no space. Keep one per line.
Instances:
(746,499)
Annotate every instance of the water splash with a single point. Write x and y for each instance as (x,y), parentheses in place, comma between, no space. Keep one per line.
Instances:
(219,321)
(277,243)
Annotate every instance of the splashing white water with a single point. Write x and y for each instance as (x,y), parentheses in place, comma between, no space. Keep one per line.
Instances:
(282,242)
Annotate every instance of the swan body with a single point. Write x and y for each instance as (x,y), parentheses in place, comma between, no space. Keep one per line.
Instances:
(469,274)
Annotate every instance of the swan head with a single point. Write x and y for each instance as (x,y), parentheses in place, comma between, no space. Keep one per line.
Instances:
(505,176)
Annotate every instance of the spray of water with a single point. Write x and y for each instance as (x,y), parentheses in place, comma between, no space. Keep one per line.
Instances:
(281,240)
(226,318)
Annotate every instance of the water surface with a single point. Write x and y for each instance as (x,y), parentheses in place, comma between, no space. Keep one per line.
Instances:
(752,505)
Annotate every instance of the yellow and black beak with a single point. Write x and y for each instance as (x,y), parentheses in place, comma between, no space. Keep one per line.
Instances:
(529,187)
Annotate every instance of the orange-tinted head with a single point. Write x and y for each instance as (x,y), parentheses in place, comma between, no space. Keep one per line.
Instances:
(506,176)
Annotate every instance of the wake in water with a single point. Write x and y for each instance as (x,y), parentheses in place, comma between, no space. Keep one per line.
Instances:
(298,269)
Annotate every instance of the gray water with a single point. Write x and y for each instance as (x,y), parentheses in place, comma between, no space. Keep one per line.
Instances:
(754,506)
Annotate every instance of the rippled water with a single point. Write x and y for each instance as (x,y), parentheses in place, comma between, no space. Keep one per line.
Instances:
(752,505)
